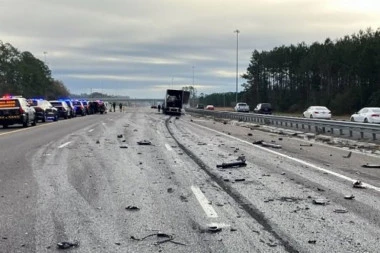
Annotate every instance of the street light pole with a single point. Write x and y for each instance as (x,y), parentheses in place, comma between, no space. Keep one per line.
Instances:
(237,62)
(193,76)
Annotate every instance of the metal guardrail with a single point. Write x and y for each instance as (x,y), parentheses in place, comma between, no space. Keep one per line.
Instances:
(312,125)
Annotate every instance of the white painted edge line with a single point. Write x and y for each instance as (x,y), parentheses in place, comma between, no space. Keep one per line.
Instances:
(293,159)
(64,144)
(90,130)
(209,210)
(168,147)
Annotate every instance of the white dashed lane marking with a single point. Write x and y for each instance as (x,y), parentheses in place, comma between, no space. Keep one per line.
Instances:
(205,204)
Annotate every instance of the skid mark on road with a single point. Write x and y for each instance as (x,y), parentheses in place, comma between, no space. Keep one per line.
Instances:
(64,144)
(316,167)
(205,204)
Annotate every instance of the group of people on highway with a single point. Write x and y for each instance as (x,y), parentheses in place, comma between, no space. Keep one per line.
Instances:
(114,106)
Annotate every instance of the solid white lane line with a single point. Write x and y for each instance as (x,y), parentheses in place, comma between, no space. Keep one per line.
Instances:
(168,147)
(293,159)
(64,144)
(90,130)
(209,210)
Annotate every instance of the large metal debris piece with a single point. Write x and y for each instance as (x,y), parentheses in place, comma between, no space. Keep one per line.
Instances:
(144,142)
(240,163)
(372,166)
(358,184)
(67,245)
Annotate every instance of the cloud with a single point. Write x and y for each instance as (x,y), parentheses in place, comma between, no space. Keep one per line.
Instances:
(139,47)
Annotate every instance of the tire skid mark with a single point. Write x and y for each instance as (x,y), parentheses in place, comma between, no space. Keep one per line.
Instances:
(239,198)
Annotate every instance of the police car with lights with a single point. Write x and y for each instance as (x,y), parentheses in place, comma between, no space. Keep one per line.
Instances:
(16,110)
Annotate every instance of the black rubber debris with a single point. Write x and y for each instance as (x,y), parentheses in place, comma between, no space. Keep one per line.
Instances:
(240,163)
(372,166)
(119,136)
(144,142)
(132,208)
(67,245)
(123,146)
(348,155)
(358,184)
(306,145)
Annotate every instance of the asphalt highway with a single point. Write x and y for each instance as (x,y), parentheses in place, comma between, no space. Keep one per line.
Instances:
(88,183)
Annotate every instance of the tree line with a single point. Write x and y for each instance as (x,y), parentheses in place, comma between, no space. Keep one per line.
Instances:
(23,74)
(343,75)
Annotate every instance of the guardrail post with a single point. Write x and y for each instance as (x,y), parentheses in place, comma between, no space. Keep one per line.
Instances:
(374,136)
(361,134)
(350,132)
(341,131)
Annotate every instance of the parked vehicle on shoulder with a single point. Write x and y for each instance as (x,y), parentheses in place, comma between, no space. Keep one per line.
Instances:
(16,110)
(367,115)
(62,107)
(210,107)
(241,107)
(263,108)
(200,106)
(72,109)
(79,108)
(317,112)
(44,110)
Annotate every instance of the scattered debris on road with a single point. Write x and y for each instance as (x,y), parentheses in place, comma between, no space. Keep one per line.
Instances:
(132,208)
(169,238)
(144,142)
(372,166)
(349,196)
(239,179)
(123,146)
(312,241)
(340,211)
(67,245)
(249,134)
(306,145)
(358,184)
(202,143)
(119,136)
(214,229)
(348,155)
(266,144)
(322,202)
(170,190)
(240,163)
(97,142)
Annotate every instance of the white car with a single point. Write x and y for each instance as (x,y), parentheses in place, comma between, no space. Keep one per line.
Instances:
(317,112)
(367,115)
(241,107)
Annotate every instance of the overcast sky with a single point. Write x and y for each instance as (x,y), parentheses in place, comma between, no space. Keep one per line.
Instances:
(140,48)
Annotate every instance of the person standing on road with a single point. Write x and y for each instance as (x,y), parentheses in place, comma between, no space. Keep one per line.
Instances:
(159,108)
(121,107)
(114,106)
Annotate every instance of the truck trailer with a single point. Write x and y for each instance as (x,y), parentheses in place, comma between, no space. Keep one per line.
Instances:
(174,101)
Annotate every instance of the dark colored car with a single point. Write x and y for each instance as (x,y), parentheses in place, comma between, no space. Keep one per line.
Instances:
(263,108)
(62,107)
(70,104)
(79,108)
(44,110)
(16,110)
(97,107)
(85,104)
